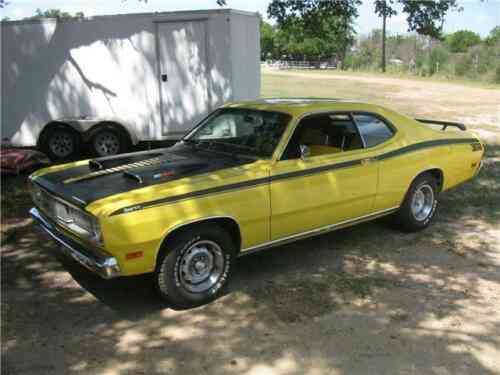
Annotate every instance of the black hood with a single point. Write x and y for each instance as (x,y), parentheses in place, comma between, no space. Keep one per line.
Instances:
(107,176)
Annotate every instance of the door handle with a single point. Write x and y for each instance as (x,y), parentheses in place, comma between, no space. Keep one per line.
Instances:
(164,77)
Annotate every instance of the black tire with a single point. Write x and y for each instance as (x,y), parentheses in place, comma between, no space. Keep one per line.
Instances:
(61,143)
(170,276)
(108,140)
(410,219)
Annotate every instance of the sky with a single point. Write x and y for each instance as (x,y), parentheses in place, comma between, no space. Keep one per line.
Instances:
(478,16)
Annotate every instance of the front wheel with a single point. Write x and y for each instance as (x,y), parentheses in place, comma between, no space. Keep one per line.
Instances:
(61,143)
(195,266)
(419,205)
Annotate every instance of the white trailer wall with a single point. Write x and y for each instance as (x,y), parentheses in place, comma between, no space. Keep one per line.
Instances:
(245,56)
(108,67)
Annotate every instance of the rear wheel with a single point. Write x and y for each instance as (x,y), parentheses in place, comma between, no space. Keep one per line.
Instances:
(419,206)
(108,141)
(195,266)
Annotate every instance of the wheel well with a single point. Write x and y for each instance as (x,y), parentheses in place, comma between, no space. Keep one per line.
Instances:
(227,223)
(437,174)
(104,124)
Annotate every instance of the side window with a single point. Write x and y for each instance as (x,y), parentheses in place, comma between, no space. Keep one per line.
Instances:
(373,130)
(324,134)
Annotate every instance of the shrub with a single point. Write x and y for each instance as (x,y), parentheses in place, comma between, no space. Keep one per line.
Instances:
(464,66)
(497,75)
(437,60)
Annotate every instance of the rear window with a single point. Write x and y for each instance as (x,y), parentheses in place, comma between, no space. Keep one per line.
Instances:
(373,130)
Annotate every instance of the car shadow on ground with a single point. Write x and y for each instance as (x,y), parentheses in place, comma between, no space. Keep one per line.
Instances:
(366,299)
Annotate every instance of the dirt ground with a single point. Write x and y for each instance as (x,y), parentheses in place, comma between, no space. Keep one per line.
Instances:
(364,300)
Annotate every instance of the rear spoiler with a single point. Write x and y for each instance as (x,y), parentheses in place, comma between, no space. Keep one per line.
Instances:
(444,124)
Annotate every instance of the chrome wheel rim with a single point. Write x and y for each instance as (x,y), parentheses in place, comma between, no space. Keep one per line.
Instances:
(422,202)
(106,143)
(201,266)
(61,144)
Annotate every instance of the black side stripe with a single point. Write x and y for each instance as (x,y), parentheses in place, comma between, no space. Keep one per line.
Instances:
(238,185)
(423,145)
(306,172)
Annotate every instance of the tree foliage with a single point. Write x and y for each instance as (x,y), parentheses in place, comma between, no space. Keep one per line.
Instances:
(462,40)
(314,28)
(423,16)
(267,40)
(493,39)
(416,54)
(385,8)
(55,13)
(427,17)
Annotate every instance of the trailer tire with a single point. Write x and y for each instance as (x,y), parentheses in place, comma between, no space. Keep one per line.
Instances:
(109,140)
(60,142)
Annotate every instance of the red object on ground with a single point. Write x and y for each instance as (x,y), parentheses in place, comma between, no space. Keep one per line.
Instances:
(18,160)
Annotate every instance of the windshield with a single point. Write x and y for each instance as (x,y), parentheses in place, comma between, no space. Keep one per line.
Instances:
(241,131)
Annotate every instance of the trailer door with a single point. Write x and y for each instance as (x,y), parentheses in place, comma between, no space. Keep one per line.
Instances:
(183,70)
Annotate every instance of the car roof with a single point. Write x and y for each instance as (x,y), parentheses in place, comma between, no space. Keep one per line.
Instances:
(300,106)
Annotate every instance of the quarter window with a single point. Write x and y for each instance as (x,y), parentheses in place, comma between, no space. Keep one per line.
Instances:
(373,130)
(324,134)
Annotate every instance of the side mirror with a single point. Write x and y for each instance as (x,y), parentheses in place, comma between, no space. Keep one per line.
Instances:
(305,152)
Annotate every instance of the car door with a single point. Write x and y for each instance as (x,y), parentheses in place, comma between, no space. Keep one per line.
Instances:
(337,182)
(381,141)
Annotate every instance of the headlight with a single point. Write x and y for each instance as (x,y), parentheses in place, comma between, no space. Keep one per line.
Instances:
(81,223)
(72,218)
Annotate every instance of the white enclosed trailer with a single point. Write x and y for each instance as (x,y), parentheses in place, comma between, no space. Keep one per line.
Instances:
(122,78)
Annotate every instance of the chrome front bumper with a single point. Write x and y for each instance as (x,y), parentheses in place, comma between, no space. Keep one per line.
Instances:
(93,259)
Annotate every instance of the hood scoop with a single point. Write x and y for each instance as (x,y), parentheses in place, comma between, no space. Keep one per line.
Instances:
(122,159)
(165,173)
(121,168)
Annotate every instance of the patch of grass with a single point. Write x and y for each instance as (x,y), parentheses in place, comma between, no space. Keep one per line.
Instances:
(362,287)
(402,75)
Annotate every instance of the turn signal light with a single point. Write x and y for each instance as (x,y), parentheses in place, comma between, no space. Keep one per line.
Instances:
(134,255)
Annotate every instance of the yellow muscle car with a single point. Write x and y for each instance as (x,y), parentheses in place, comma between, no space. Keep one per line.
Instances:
(250,176)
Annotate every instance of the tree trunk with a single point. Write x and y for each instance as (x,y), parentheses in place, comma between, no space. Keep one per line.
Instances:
(384,19)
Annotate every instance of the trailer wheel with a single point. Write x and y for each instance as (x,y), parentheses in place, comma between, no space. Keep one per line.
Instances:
(108,140)
(61,143)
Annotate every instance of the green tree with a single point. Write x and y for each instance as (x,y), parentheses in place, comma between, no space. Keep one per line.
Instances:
(493,39)
(462,40)
(437,59)
(267,39)
(423,16)
(384,9)
(315,28)
(427,17)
